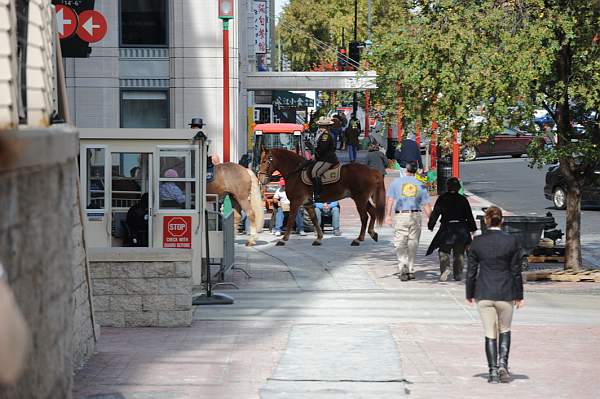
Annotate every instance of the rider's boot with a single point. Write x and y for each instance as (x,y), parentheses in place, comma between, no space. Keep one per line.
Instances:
(317,189)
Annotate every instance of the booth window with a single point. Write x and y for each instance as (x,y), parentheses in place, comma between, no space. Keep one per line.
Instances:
(177,179)
(130,205)
(144,109)
(144,23)
(95,183)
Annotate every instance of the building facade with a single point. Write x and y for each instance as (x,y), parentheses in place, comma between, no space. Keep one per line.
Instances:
(160,65)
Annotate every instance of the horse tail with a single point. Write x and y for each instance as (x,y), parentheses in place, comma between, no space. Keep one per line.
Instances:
(380,201)
(256,202)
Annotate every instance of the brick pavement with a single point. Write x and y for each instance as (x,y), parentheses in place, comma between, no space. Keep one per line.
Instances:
(236,351)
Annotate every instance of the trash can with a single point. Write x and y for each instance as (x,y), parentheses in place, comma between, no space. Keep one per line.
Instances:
(526,229)
(444,172)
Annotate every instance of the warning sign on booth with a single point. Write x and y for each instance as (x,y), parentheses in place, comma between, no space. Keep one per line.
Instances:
(177,232)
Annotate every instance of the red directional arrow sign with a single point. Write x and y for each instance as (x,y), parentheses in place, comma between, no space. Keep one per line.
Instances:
(92,26)
(66,21)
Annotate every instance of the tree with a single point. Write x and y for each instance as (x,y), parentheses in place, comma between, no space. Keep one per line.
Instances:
(501,59)
(311,30)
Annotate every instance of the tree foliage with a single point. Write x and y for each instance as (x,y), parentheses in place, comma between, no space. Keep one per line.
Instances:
(502,59)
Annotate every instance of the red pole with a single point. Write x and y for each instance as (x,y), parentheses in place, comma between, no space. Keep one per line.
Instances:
(455,155)
(226,121)
(399,113)
(367,113)
(418,133)
(433,144)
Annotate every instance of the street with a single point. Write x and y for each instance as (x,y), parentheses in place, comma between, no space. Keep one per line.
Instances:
(514,186)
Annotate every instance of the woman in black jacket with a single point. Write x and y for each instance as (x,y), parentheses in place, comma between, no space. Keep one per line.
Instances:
(494,281)
(454,235)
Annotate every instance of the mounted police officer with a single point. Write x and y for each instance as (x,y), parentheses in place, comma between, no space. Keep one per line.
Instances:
(406,198)
(324,154)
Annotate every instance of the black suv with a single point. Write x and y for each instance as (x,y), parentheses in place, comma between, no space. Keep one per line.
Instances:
(556,188)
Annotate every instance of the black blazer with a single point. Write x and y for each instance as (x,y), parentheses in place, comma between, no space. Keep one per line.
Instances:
(494,270)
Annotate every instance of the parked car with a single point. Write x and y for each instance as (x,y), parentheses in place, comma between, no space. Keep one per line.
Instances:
(510,141)
(556,187)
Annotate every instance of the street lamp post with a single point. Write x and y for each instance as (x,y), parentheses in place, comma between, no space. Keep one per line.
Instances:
(225,14)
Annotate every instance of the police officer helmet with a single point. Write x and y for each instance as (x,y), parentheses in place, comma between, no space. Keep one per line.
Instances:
(412,167)
(453,184)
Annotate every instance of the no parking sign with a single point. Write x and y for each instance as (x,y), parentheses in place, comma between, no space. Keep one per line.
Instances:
(177,232)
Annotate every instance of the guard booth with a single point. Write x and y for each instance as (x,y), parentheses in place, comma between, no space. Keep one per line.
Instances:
(123,168)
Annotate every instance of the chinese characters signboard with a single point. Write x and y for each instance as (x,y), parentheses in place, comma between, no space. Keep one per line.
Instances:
(259,9)
(177,232)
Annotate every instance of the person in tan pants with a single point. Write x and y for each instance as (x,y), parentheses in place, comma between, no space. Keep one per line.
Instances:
(494,281)
(407,197)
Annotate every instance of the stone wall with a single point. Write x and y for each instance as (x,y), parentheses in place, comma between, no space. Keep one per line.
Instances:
(41,249)
(142,287)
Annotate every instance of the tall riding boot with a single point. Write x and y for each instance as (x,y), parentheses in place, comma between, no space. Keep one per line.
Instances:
(491,351)
(504,349)
(317,189)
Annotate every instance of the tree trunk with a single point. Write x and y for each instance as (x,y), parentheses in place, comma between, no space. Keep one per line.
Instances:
(573,259)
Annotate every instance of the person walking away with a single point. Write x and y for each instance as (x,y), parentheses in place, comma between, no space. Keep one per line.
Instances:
(457,225)
(409,151)
(352,132)
(494,282)
(407,196)
(376,159)
(336,129)
(332,208)
(282,202)
(324,154)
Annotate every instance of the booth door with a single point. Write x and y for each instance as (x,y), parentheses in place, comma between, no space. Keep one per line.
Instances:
(176,215)
(95,193)
(131,198)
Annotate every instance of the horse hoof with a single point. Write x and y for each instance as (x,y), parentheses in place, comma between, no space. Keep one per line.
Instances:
(316,243)
(375,237)
(280,243)
(355,243)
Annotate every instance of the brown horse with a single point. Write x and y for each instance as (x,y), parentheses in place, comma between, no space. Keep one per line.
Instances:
(363,184)
(242,186)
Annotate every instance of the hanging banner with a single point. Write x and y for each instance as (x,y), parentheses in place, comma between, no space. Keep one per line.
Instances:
(259,9)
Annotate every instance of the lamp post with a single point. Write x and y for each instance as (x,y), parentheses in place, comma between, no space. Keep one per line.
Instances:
(225,14)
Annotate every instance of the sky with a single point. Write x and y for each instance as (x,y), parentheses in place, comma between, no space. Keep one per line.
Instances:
(279,4)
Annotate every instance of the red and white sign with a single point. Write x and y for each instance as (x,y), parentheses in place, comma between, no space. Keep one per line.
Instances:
(66,21)
(92,26)
(177,232)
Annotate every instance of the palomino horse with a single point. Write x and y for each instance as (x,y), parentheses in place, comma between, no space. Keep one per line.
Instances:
(363,184)
(242,186)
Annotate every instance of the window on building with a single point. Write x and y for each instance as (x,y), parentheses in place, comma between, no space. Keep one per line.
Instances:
(144,108)
(144,23)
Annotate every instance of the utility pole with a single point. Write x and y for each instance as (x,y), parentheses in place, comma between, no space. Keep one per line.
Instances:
(354,99)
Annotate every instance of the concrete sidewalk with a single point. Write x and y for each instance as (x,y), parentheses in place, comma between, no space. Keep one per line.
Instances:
(335,322)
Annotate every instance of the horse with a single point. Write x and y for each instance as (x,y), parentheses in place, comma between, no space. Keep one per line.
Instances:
(244,190)
(360,182)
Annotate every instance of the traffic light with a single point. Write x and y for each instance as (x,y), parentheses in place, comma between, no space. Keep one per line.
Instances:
(342,58)
(354,55)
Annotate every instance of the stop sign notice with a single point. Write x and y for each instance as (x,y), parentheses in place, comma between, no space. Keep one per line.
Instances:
(177,232)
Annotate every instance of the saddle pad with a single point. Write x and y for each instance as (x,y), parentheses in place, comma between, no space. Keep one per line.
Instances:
(331,176)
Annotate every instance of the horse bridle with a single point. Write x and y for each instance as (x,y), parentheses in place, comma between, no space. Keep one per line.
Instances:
(260,180)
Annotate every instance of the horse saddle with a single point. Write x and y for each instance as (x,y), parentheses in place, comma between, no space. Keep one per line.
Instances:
(330,176)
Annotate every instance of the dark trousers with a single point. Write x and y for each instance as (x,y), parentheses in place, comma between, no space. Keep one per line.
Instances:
(458,255)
